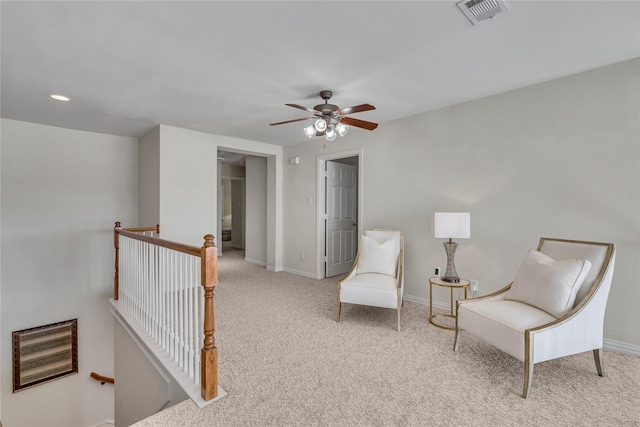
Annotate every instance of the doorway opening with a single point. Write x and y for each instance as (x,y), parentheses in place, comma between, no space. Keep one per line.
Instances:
(260,211)
(231,201)
(340,212)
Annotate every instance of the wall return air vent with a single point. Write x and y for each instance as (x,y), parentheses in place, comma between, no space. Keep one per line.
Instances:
(480,10)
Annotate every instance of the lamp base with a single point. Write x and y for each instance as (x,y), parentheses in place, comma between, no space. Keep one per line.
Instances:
(450,275)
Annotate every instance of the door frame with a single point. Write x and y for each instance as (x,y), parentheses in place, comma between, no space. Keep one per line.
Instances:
(275,187)
(321,202)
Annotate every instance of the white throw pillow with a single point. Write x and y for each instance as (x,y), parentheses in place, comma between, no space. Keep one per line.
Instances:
(378,257)
(548,284)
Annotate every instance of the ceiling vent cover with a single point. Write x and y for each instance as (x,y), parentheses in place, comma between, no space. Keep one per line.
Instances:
(480,10)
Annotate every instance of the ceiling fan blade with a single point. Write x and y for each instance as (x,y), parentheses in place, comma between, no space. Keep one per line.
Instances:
(291,121)
(355,109)
(311,110)
(358,123)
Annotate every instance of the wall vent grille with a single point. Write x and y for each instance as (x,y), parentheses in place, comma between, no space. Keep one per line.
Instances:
(481,10)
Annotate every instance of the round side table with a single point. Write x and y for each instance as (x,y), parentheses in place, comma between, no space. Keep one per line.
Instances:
(462,284)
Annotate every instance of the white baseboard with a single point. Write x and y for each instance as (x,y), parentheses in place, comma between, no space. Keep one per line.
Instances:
(300,273)
(425,301)
(256,262)
(105,423)
(621,347)
(262,264)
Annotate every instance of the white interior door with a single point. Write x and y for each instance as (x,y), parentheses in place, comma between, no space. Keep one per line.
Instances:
(341,217)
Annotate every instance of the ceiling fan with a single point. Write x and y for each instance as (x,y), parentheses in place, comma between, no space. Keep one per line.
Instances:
(331,120)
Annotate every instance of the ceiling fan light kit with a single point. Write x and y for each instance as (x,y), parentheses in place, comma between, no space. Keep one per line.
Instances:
(330,120)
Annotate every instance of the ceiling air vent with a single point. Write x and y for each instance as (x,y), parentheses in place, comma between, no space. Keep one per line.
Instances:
(480,10)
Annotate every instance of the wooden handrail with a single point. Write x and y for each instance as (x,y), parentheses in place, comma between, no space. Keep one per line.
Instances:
(186,249)
(101,378)
(155,229)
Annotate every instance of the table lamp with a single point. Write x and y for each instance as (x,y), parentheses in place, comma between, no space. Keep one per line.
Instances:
(449,225)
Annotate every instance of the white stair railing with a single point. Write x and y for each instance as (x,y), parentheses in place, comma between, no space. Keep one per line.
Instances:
(160,288)
(167,288)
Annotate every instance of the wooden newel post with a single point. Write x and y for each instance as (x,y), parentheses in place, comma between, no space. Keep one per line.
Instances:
(209,353)
(116,275)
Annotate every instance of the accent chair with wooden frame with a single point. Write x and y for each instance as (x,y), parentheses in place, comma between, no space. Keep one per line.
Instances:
(377,275)
(531,334)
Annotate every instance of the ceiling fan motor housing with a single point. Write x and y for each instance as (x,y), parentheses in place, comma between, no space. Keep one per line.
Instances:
(326,109)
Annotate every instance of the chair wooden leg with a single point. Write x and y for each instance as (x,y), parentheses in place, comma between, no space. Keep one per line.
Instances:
(597,355)
(398,319)
(458,332)
(339,303)
(456,339)
(528,377)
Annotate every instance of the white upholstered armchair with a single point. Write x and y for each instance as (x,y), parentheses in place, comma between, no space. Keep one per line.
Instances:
(554,307)
(376,277)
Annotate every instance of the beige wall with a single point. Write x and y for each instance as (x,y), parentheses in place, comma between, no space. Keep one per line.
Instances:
(558,159)
(148,179)
(188,185)
(62,190)
(235,171)
(256,211)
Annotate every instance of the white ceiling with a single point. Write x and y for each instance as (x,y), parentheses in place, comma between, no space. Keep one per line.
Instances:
(228,67)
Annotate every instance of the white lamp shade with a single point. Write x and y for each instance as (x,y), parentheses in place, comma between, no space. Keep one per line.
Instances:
(342,129)
(330,133)
(310,131)
(449,225)
(320,125)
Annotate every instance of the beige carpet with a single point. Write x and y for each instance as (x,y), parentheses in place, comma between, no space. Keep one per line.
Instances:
(286,362)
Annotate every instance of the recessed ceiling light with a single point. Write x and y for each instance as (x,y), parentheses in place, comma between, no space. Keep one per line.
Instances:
(59,97)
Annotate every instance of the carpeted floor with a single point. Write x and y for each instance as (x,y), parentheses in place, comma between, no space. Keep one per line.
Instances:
(286,362)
